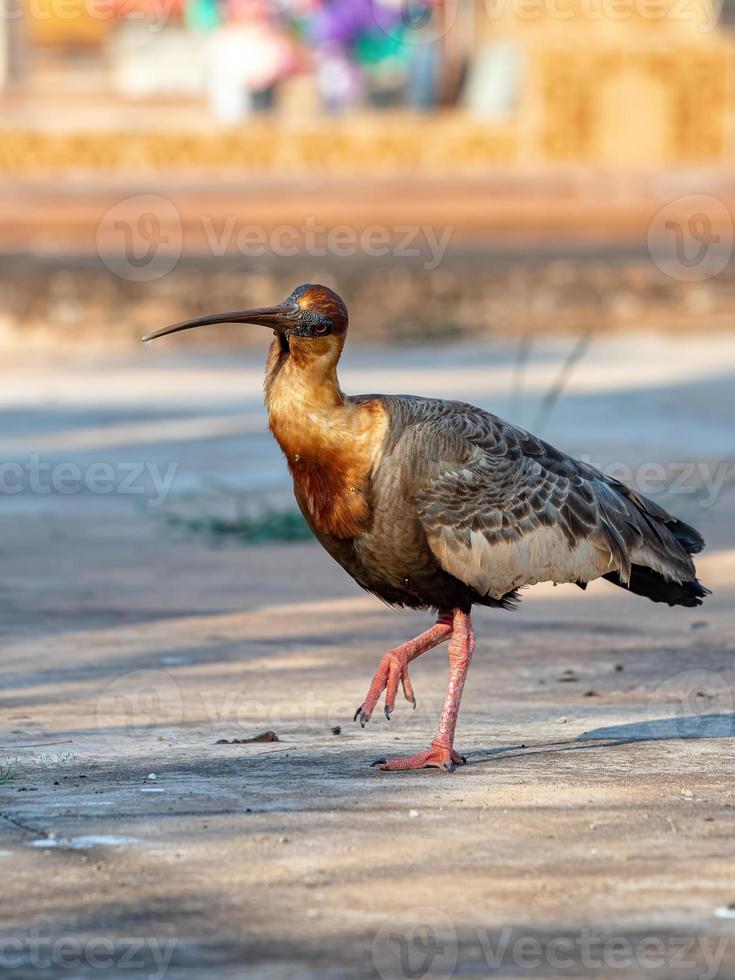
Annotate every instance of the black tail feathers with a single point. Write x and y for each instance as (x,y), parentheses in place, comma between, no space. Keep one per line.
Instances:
(645,582)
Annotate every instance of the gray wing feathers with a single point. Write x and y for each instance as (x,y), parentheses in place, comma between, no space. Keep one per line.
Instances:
(501,508)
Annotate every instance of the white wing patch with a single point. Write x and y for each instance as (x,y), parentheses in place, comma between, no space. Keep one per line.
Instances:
(541,555)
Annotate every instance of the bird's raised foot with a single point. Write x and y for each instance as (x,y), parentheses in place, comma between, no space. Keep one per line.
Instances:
(437,756)
(392,670)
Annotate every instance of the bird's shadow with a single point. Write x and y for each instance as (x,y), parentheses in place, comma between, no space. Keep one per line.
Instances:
(684,727)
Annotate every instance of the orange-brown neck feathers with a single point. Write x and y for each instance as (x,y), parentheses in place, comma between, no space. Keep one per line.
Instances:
(303,373)
(331,443)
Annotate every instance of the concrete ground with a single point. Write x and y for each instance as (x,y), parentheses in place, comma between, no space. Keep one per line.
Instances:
(591,831)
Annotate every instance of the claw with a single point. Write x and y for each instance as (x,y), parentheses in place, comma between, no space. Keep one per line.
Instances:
(377,762)
(392,670)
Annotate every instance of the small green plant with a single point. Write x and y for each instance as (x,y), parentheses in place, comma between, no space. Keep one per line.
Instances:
(265,525)
(36,765)
(7,772)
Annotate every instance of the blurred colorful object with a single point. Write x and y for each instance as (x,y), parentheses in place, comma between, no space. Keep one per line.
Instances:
(202,16)
(48,23)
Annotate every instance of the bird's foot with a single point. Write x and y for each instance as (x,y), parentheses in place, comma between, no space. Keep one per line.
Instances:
(437,756)
(393,668)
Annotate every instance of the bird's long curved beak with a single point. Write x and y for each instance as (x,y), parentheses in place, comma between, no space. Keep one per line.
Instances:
(279,318)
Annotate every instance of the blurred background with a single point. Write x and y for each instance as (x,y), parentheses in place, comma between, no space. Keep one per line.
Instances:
(524,202)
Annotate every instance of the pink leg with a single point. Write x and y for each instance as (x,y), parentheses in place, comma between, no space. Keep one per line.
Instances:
(441,754)
(394,668)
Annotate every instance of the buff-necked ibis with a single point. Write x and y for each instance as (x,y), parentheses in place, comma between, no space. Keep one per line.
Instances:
(433,504)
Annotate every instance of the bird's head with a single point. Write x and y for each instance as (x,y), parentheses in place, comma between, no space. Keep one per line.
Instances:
(313,320)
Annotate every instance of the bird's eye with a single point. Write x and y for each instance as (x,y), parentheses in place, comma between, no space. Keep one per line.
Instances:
(321,328)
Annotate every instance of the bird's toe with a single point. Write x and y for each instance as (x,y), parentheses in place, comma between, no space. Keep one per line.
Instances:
(437,756)
(362,716)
